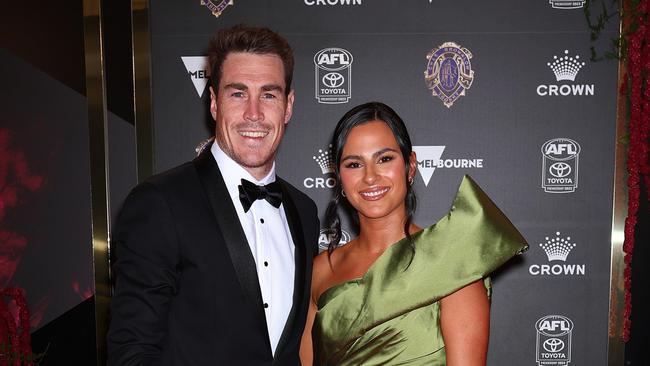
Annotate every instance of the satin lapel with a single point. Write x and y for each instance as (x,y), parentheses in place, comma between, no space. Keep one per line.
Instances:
(231,229)
(299,281)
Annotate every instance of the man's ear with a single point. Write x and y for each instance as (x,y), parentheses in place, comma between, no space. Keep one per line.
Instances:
(289,111)
(213,104)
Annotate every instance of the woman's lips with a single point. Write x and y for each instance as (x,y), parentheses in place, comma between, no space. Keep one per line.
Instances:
(374,193)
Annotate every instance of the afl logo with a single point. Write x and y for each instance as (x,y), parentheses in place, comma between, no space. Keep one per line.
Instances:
(560,165)
(560,149)
(333,59)
(554,340)
(333,75)
(325,238)
(449,72)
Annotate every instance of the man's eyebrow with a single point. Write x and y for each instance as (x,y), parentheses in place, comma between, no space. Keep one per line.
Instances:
(272,87)
(238,86)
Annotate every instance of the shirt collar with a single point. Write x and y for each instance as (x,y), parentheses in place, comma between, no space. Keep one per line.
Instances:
(233,173)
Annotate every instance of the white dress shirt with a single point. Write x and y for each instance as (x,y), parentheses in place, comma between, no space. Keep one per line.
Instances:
(269,239)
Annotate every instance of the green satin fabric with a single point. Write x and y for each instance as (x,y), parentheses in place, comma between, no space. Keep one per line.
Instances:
(391,316)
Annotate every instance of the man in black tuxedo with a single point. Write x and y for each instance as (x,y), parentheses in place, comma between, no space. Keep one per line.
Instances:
(214,256)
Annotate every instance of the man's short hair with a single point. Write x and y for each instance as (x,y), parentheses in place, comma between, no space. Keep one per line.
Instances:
(243,38)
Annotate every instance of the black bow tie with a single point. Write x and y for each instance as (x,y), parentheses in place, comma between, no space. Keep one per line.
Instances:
(249,192)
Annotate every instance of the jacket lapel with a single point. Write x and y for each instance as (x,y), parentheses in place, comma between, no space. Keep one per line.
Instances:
(300,280)
(231,230)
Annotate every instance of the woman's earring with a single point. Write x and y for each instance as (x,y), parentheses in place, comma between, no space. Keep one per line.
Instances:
(411,181)
(343,193)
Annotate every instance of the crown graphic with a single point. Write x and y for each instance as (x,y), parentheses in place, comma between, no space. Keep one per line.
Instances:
(566,67)
(557,249)
(325,161)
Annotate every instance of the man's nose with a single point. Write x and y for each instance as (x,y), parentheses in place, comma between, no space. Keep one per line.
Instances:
(253,111)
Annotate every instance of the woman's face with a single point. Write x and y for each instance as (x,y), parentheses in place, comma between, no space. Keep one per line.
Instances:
(372,171)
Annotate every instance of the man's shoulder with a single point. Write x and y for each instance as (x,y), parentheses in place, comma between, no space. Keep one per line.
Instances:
(175,174)
(181,178)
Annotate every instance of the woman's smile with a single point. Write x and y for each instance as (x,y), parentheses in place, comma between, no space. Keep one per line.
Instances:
(374,194)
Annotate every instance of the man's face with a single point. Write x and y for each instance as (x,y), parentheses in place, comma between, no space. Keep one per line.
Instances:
(251,110)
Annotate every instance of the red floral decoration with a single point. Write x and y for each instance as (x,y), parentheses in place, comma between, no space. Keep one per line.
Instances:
(15,182)
(637,87)
(15,341)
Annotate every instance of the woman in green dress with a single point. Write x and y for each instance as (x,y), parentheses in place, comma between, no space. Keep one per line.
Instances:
(398,294)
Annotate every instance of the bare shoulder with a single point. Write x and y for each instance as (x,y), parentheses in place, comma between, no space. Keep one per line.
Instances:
(321,274)
(325,273)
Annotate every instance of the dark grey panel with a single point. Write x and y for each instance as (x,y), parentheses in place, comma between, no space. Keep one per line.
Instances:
(498,128)
(47,125)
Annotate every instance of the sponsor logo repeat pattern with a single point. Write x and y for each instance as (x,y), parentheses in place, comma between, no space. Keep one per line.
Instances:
(553,340)
(325,162)
(325,238)
(430,158)
(565,68)
(560,165)
(449,75)
(557,249)
(333,75)
(198,71)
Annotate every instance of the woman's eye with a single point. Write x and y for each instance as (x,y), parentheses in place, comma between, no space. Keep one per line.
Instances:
(385,159)
(352,165)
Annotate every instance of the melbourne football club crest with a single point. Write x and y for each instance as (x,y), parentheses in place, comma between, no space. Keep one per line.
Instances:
(216,7)
(449,72)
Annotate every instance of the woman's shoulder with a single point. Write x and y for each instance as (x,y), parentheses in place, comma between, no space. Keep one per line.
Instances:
(323,273)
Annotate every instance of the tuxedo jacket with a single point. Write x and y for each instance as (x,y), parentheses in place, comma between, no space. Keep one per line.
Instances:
(186,290)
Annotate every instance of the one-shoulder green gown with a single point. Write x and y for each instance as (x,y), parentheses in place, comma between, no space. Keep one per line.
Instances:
(391,315)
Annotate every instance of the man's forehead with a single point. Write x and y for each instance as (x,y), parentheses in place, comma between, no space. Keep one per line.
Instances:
(252,70)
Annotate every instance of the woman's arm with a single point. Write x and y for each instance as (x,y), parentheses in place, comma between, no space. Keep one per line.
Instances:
(306,346)
(465,324)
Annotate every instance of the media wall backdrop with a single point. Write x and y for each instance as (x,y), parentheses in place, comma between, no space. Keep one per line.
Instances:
(504,91)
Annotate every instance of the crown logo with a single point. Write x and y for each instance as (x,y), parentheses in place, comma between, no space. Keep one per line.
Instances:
(566,67)
(557,249)
(325,161)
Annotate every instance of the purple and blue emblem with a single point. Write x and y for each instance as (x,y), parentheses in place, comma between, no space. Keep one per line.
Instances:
(216,7)
(449,72)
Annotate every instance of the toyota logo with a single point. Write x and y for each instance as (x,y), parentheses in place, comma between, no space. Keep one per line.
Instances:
(553,345)
(559,169)
(333,80)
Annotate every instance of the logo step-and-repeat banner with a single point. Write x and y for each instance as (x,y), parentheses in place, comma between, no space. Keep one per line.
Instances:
(503,91)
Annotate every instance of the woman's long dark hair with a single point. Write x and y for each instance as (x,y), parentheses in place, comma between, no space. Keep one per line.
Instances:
(361,114)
